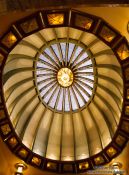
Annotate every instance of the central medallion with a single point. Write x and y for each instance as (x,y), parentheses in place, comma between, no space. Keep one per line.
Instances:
(65,77)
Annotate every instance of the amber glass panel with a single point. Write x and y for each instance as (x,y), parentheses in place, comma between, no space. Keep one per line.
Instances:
(84,165)
(68,167)
(55,19)
(127,110)
(111,151)
(120,140)
(36,161)
(51,166)
(127,94)
(83,22)
(2,114)
(9,40)
(98,160)
(125,126)
(123,51)
(12,142)
(127,73)
(1,58)
(23,153)
(107,34)
(5,129)
(29,25)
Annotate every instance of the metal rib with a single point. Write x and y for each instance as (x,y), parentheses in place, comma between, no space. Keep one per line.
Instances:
(116,99)
(13,57)
(55,56)
(75,47)
(47,85)
(49,90)
(61,139)
(57,99)
(37,128)
(48,134)
(84,78)
(80,87)
(56,88)
(17,119)
(15,101)
(28,119)
(113,112)
(112,67)
(28,44)
(15,71)
(47,64)
(44,40)
(107,122)
(47,74)
(50,59)
(79,93)
(86,132)
(45,80)
(97,127)
(114,82)
(84,67)
(84,84)
(9,91)
(70,107)
(81,62)
(58,46)
(67,48)
(46,69)
(84,73)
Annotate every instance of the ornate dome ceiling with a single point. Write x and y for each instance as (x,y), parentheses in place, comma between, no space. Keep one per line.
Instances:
(64,100)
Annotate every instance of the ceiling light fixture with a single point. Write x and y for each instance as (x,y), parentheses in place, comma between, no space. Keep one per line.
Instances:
(20,167)
(128,26)
(116,168)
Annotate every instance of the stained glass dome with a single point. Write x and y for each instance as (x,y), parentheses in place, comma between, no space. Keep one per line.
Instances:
(63,95)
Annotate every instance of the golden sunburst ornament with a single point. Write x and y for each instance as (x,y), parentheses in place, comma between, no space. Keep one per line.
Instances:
(65,77)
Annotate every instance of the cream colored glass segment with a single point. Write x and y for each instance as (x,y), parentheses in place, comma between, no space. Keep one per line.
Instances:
(108,114)
(112,88)
(88,38)
(19,106)
(22,49)
(99,46)
(111,102)
(19,63)
(16,78)
(94,143)
(74,33)
(80,137)
(101,123)
(67,152)
(48,34)
(40,145)
(21,101)
(35,40)
(112,74)
(17,92)
(62,32)
(53,147)
(29,137)
(26,114)
(107,59)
